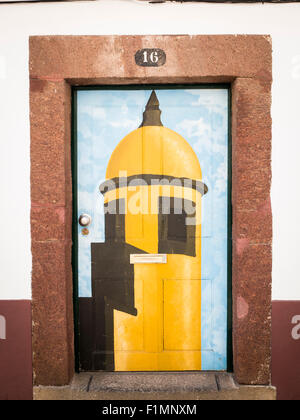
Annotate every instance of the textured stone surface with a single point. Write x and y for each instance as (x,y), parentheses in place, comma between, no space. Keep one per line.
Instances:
(153,382)
(225,382)
(111,58)
(53,360)
(252,229)
(248,225)
(50,111)
(252,318)
(51,231)
(51,223)
(155,386)
(56,63)
(251,143)
(82,381)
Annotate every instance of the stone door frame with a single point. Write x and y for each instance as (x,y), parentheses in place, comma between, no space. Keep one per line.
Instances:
(59,62)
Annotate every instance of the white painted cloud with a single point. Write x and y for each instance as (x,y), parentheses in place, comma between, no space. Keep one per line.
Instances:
(124,109)
(126,123)
(194,128)
(85,131)
(220,178)
(93,111)
(213,100)
(207,140)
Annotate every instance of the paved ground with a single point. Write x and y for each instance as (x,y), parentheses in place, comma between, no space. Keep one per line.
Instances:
(154,386)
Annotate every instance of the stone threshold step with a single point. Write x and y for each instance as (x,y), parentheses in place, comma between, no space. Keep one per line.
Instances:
(154,386)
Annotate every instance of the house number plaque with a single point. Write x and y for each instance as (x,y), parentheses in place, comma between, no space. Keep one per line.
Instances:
(150,57)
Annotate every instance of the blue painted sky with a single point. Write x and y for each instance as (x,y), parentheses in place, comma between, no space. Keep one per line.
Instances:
(201,117)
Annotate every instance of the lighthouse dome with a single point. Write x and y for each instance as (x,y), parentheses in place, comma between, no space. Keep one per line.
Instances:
(154,149)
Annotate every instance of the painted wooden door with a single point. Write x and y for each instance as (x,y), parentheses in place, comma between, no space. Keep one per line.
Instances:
(152,228)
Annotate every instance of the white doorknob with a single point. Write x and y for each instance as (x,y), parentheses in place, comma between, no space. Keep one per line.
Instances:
(84,220)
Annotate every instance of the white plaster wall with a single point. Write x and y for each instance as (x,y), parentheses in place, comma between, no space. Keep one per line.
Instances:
(18,21)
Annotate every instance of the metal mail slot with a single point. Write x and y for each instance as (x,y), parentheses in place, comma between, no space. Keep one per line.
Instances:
(148,258)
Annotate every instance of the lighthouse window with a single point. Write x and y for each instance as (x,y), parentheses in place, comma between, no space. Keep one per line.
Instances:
(115,220)
(176,227)
(175,235)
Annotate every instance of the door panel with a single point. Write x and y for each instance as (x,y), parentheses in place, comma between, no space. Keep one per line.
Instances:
(178,317)
(152,174)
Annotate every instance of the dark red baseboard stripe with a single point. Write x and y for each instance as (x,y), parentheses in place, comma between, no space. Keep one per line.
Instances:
(16,353)
(15,350)
(286,349)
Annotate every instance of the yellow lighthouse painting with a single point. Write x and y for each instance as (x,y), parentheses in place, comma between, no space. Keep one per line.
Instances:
(144,312)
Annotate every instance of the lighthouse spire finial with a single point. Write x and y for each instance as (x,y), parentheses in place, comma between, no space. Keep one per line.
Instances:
(151,115)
